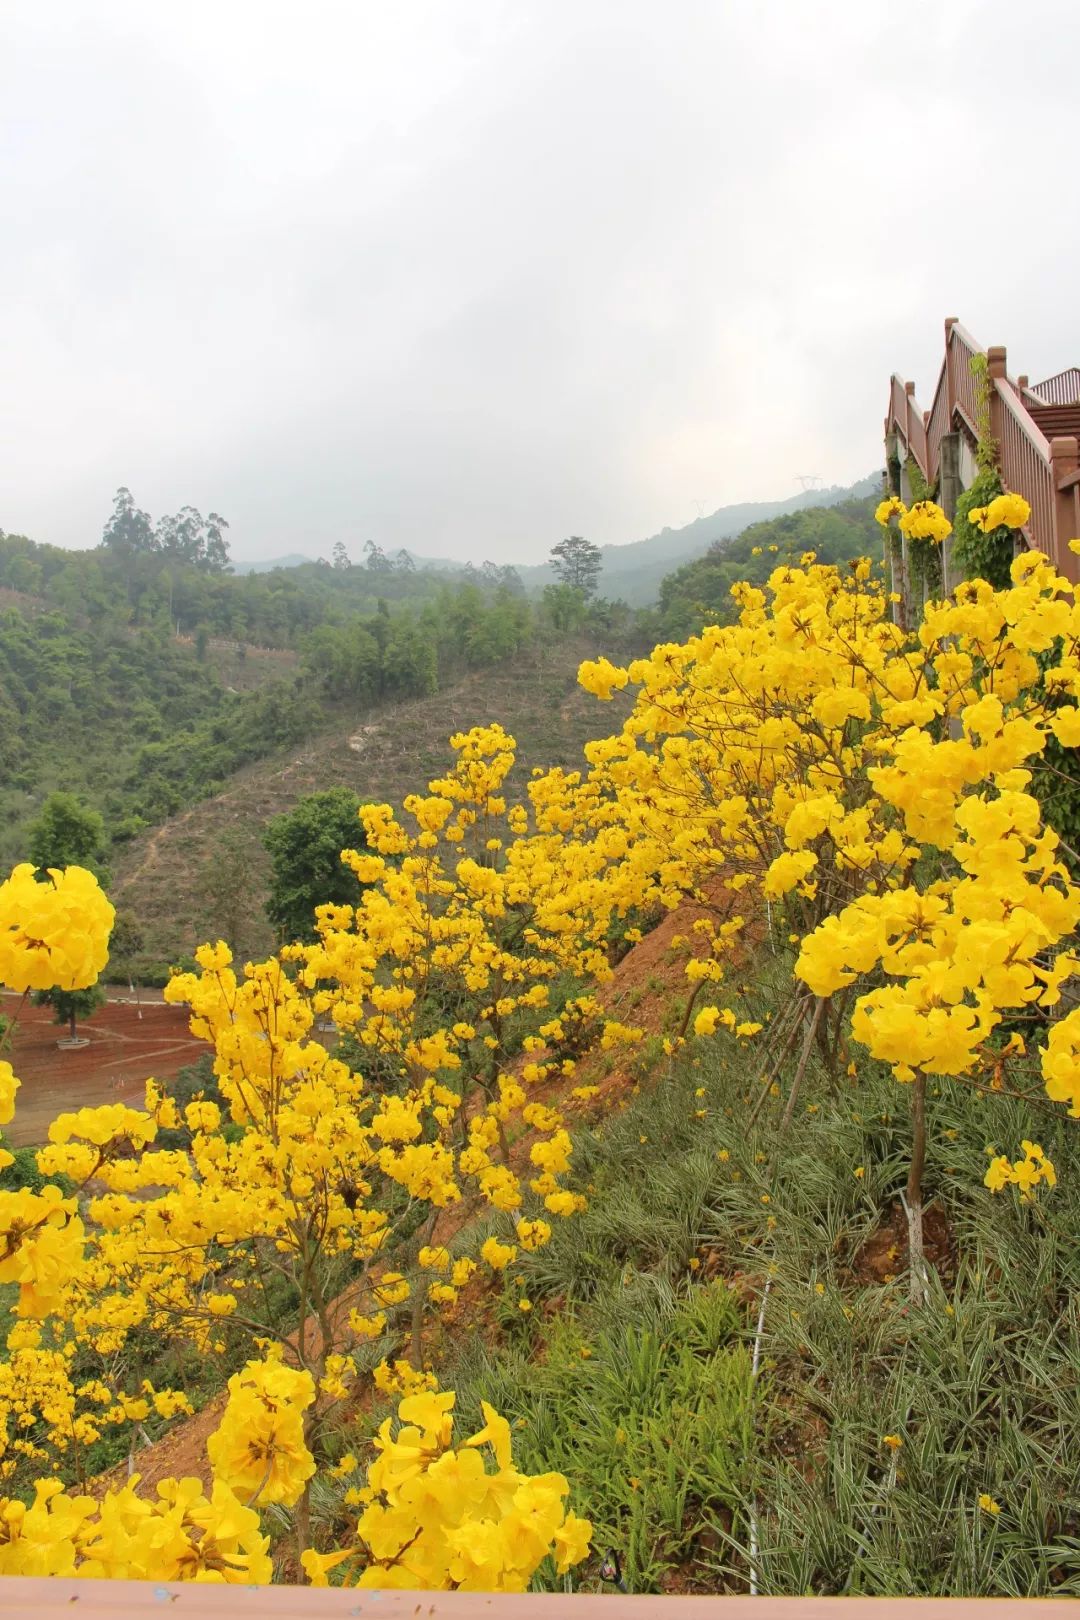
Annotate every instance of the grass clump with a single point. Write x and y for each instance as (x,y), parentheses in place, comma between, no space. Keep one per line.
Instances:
(880,1450)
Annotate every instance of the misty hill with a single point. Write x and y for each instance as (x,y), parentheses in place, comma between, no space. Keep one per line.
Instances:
(633,573)
(145,686)
(699,591)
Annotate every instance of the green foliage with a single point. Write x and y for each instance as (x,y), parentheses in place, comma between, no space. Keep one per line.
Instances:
(228,884)
(305,855)
(651,1421)
(67,833)
(72,1006)
(699,592)
(23,1175)
(979,555)
(986,447)
(920,489)
(1056,773)
(188,538)
(565,607)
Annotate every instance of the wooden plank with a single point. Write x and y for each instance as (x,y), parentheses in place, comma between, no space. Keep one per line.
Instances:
(146,1600)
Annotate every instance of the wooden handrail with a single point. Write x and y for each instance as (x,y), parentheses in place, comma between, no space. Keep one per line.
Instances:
(1011,402)
(141,1600)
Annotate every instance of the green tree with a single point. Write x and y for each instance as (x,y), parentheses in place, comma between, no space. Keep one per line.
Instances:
(305,847)
(377,560)
(68,832)
(126,946)
(129,530)
(577,563)
(565,607)
(69,1006)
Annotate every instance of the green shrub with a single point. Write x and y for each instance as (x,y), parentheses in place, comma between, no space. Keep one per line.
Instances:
(23,1175)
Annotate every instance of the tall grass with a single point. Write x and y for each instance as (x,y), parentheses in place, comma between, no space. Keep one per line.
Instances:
(631,1373)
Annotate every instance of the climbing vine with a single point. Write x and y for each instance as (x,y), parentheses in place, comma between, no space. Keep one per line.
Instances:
(978,554)
(986,447)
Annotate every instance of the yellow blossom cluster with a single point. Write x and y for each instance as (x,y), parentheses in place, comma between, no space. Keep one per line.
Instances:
(924,520)
(54,934)
(434,1517)
(176,1535)
(1004,511)
(877,783)
(1026,1173)
(259,1450)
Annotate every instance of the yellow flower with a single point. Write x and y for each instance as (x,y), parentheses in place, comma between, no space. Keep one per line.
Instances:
(987,1503)
(706,1021)
(532,1235)
(258,1449)
(9,1085)
(1004,511)
(888,509)
(54,934)
(498,1255)
(925,520)
(893,1441)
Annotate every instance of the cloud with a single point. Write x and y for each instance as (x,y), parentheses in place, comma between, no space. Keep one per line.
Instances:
(469,278)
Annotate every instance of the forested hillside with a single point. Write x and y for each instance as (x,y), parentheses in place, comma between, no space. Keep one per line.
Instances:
(700,592)
(144,684)
(149,681)
(206,869)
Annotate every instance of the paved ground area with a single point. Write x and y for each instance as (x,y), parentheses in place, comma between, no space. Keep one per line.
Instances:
(127,1044)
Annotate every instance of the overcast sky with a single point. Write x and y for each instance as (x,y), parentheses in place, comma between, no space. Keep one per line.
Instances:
(467,276)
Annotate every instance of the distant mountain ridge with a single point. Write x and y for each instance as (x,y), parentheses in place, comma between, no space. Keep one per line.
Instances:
(632,572)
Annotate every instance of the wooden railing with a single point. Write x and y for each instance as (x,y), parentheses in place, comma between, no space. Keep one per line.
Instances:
(1044,471)
(937,425)
(1061,389)
(140,1600)
(1024,457)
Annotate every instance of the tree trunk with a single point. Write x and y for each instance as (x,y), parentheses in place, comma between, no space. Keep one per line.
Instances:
(916,1262)
(71,1025)
(302,1524)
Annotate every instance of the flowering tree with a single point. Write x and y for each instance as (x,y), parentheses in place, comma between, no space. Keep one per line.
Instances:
(869,782)
(876,783)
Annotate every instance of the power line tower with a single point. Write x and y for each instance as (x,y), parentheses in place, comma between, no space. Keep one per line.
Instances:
(807,480)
